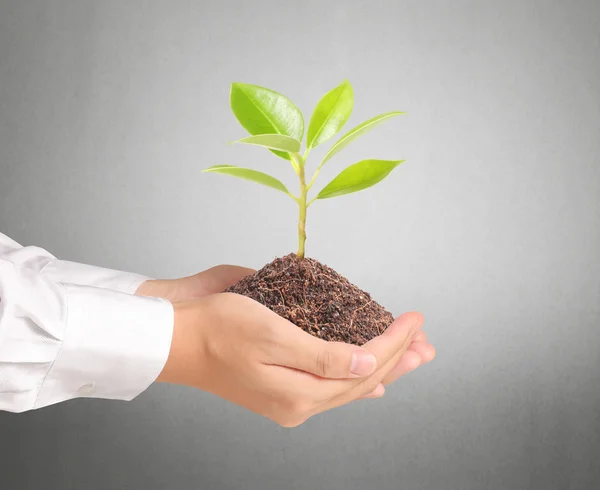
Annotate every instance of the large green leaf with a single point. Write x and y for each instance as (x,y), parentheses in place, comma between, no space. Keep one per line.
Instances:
(248,174)
(273,142)
(358,177)
(330,114)
(359,130)
(263,111)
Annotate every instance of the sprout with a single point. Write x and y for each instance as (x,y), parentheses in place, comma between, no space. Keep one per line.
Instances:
(274,122)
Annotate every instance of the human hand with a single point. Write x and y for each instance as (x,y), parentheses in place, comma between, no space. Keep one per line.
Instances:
(211,281)
(236,348)
(219,278)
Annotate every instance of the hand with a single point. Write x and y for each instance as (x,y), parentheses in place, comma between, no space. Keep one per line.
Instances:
(211,281)
(219,278)
(236,348)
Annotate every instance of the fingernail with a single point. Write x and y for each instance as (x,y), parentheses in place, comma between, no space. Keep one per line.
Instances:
(363,363)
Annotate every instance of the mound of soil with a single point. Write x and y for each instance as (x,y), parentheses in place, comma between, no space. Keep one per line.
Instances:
(317,299)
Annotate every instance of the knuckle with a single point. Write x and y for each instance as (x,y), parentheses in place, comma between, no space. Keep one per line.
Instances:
(325,362)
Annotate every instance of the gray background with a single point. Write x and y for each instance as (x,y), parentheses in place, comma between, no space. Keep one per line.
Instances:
(108,112)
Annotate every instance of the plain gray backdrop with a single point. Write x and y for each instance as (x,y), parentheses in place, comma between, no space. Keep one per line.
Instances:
(108,112)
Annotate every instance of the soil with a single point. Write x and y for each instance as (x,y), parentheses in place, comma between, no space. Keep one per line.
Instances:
(317,299)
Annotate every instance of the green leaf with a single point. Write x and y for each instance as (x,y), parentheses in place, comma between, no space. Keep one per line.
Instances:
(358,177)
(248,174)
(359,130)
(273,142)
(330,114)
(263,111)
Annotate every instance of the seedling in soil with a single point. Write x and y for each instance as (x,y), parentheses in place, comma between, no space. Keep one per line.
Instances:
(303,290)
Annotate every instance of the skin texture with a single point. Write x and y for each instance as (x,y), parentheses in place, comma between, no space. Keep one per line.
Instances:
(236,348)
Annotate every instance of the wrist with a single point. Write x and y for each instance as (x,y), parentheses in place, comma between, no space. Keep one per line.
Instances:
(182,366)
(159,288)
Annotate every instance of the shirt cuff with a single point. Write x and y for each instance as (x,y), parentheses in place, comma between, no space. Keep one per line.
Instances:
(64,271)
(115,346)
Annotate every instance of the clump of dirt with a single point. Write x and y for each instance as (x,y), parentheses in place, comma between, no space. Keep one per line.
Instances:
(317,299)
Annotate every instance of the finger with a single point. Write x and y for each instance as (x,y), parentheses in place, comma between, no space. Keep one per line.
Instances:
(329,393)
(419,353)
(396,338)
(406,327)
(332,360)
(421,336)
(405,352)
(218,279)
(364,389)
(410,361)
(377,392)
(388,349)
(425,350)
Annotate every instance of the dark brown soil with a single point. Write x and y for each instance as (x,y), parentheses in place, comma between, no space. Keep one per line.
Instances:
(317,299)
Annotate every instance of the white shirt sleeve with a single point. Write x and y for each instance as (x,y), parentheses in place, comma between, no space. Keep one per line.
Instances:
(38,259)
(69,330)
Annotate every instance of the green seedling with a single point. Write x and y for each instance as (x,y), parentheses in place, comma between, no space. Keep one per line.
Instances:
(274,122)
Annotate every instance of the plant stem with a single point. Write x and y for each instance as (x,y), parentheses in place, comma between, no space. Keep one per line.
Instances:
(302,208)
(314,177)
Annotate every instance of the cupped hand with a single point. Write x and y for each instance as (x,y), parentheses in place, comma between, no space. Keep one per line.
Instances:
(239,350)
(213,281)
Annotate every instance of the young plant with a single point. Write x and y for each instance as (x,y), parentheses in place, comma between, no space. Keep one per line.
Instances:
(274,122)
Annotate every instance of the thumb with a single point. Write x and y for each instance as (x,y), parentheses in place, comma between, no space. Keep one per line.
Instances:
(333,360)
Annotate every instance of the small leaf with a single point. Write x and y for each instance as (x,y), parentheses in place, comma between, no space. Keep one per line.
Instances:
(330,114)
(273,142)
(358,177)
(248,174)
(263,111)
(359,130)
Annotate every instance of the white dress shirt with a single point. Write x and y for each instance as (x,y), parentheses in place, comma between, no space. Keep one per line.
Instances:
(70,330)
